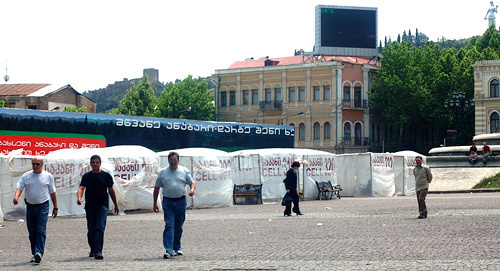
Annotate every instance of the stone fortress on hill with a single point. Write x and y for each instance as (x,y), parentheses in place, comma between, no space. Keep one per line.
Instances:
(109,97)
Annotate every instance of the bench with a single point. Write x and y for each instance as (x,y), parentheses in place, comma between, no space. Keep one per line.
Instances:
(326,190)
(248,191)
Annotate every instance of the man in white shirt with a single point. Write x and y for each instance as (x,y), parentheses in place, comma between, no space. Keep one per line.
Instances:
(39,186)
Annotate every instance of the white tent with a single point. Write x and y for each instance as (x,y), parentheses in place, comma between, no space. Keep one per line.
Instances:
(134,169)
(408,187)
(269,166)
(211,171)
(366,174)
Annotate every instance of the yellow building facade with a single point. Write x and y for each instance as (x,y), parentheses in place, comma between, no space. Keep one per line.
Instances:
(487,96)
(324,98)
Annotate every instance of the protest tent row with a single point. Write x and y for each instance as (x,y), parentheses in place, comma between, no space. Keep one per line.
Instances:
(136,168)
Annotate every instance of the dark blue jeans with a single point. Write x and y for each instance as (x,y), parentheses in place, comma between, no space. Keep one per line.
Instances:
(96,223)
(174,214)
(36,221)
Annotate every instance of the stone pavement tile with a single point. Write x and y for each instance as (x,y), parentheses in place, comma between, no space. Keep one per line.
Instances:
(348,234)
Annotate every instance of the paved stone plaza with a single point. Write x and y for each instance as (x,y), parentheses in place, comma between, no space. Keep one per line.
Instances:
(462,232)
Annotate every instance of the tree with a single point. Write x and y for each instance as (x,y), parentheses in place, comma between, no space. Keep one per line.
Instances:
(189,93)
(75,109)
(408,72)
(2,103)
(139,100)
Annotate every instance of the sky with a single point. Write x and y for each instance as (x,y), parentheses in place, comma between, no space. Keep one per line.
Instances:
(90,44)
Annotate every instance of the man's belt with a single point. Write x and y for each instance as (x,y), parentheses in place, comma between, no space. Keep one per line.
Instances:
(175,199)
(39,204)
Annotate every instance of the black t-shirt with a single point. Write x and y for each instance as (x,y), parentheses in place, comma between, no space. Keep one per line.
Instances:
(473,148)
(96,188)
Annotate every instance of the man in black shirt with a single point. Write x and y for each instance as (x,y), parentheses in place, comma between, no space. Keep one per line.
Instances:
(96,184)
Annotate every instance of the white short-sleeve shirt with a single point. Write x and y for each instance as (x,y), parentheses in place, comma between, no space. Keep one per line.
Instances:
(38,186)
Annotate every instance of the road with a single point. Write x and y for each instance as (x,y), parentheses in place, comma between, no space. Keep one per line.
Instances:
(461,233)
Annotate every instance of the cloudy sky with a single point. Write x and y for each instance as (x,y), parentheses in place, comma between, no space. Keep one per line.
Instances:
(90,44)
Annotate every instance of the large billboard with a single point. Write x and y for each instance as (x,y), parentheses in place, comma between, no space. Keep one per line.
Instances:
(44,131)
(343,30)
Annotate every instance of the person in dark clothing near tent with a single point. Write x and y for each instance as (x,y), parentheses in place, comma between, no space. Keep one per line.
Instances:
(291,189)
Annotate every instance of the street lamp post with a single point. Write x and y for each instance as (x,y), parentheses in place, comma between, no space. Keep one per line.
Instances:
(178,114)
(216,96)
(286,117)
(458,106)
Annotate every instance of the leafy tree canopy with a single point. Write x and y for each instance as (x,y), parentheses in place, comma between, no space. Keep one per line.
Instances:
(138,101)
(186,99)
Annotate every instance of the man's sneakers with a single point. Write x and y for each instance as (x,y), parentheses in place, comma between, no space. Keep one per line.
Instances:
(32,260)
(422,216)
(91,255)
(98,256)
(38,258)
(176,253)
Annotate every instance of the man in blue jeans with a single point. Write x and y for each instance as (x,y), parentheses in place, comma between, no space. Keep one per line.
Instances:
(40,186)
(173,181)
(96,184)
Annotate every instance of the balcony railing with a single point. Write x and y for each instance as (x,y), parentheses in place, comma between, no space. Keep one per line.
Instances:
(272,105)
(355,103)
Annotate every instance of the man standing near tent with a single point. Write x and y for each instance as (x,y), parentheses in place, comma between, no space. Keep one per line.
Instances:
(291,189)
(173,181)
(96,184)
(423,178)
(40,186)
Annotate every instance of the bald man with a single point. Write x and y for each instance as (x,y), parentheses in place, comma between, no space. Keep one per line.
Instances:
(39,185)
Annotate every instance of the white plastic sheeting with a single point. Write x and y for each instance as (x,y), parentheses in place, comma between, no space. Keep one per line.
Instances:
(269,166)
(408,166)
(135,169)
(211,171)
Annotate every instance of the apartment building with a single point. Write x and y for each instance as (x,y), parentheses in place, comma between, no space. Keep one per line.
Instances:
(325,98)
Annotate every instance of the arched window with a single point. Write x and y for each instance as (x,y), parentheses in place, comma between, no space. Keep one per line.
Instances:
(347,93)
(327,130)
(494,123)
(357,134)
(357,96)
(317,131)
(494,88)
(347,131)
(302,132)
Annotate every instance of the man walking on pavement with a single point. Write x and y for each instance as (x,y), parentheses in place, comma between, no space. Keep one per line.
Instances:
(423,178)
(173,181)
(96,184)
(40,186)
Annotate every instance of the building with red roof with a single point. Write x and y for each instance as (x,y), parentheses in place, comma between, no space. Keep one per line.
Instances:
(44,97)
(324,97)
